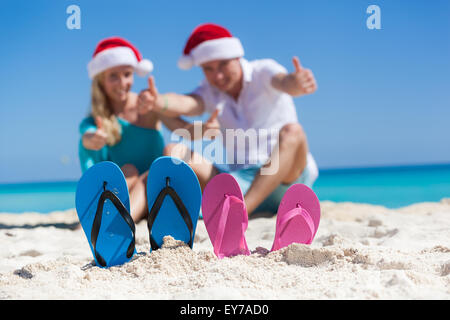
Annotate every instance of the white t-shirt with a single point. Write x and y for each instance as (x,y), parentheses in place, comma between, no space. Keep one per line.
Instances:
(259,113)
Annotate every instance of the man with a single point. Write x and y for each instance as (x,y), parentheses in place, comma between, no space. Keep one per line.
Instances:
(243,95)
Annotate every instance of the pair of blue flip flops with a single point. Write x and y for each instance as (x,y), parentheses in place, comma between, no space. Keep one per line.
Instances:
(103,208)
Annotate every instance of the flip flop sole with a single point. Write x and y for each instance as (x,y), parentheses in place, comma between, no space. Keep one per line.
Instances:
(185,183)
(298,229)
(225,227)
(114,235)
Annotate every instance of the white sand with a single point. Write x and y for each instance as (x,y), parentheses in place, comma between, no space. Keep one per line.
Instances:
(360,252)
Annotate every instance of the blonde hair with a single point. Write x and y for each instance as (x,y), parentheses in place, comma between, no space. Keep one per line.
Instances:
(101,108)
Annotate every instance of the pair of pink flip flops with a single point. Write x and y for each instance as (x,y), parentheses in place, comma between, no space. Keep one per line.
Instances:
(226,218)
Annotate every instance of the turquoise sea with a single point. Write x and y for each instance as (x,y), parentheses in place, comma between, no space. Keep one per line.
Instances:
(392,187)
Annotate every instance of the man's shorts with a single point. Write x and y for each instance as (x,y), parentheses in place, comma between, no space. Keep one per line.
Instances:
(245,178)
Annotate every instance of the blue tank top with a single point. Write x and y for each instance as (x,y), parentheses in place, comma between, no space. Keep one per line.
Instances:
(138,146)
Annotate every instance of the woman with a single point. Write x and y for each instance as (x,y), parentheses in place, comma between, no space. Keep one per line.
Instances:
(115,130)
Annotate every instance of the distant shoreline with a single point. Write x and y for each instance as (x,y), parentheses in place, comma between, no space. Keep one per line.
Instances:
(388,186)
(344,169)
(387,168)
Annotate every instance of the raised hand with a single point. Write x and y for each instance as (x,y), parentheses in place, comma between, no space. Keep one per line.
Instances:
(303,80)
(211,127)
(95,140)
(147,98)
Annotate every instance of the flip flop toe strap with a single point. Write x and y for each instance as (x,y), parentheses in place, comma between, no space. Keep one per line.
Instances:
(168,190)
(227,201)
(300,213)
(108,195)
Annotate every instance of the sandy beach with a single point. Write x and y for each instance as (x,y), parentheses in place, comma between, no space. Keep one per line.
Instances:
(360,252)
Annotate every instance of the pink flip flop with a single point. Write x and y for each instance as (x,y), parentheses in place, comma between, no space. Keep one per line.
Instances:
(225,216)
(298,217)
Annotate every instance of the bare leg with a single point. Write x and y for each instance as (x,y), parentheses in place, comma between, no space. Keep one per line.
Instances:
(203,168)
(137,189)
(289,158)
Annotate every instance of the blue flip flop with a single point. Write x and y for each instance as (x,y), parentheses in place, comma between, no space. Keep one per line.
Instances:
(103,205)
(174,198)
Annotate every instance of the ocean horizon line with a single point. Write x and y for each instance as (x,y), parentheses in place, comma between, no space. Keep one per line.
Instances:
(387,167)
(332,170)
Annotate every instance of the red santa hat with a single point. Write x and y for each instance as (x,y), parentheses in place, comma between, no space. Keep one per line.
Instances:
(115,51)
(209,42)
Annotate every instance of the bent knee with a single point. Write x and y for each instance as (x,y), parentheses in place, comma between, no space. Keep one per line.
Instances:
(292,133)
(175,150)
(129,170)
(169,148)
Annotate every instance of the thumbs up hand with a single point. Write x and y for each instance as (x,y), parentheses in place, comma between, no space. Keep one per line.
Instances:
(211,128)
(95,140)
(147,98)
(302,80)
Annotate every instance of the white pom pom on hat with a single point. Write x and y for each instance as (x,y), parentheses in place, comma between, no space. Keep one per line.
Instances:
(185,62)
(144,67)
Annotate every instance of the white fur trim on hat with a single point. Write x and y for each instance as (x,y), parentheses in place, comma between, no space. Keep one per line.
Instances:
(116,57)
(217,49)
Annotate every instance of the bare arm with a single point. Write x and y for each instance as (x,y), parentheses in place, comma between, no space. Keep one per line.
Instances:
(191,131)
(179,126)
(297,83)
(174,105)
(169,104)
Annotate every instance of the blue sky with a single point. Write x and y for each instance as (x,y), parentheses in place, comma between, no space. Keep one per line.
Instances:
(383,96)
